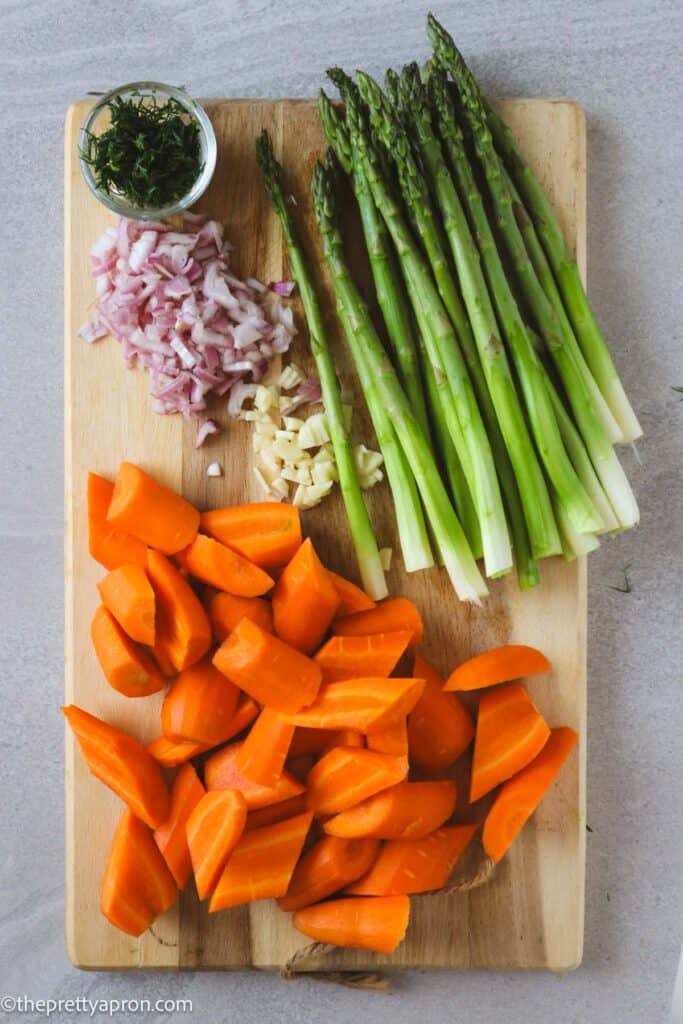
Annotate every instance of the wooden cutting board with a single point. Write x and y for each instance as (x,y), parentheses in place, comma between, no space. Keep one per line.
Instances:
(531,913)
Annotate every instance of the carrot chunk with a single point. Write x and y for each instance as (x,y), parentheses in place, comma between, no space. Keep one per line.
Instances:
(378,924)
(137,886)
(127,594)
(392,740)
(127,666)
(121,763)
(346,775)
(351,598)
(327,867)
(143,507)
(410,810)
(212,562)
(304,600)
(263,754)
(108,545)
(364,705)
(200,706)
(268,533)
(405,866)
(261,865)
(268,669)
(501,665)
(348,657)
(226,611)
(395,614)
(221,772)
(440,727)
(214,829)
(170,836)
(277,812)
(510,733)
(170,754)
(520,796)
(183,627)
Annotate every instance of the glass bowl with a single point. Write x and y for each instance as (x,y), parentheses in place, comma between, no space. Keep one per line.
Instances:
(97,121)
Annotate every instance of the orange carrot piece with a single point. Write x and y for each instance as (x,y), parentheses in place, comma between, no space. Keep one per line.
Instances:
(121,763)
(349,657)
(226,611)
(109,546)
(378,924)
(160,655)
(127,666)
(501,665)
(342,738)
(261,865)
(137,886)
(212,562)
(221,772)
(183,627)
(143,507)
(214,829)
(269,670)
(364,705)
(304,600)
(170,754)
(200,705)
(246,713)
(406,866)
(268,533)
(520,796)
(319,741)
(410,810)
(393,740)
(127,594)
(346,775)
(395,614)
(440,727)
(351,598)
(510,733)
(263,754)
(170,836)
(327,867)
(276,812)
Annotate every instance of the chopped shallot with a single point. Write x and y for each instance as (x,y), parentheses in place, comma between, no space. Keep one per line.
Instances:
(205,428)
(214,469)
(282,287)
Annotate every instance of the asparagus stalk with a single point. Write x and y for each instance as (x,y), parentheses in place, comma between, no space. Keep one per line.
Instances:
(364,541)
(398,320)
(468,432)
(530,374)
(371,359)
(563,264)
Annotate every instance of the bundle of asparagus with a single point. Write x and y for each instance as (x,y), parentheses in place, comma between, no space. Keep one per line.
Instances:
(497,420)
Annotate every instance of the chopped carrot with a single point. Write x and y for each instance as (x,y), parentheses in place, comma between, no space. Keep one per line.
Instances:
(276,812)
(261,865)
(342,738)
(304,600)
(200,705)
(393,740)
(171,754)
(351,598)
(170,836)
(183,627)
(348,657)
(268,533)
(346,775)
(378,924)
(267,668)
(221,772)
(406,866)
(328,866)
(121,763)
(309,741)
(227,610)
(246,713)
(395,614)
(160,655)
(520,796)
(127,594)
(263,754)
(212,562)
(214,829)
(510,733)
(108,545)
(143,507)
(137,886)
(364,705)
(410,810)
(440,727)
(501,665)
(127,666)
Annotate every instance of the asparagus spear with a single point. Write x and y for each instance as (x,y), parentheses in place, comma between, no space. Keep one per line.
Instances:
(398,320)
(469,434)
(563,264)
(371,361)
(530,374)
(364,541)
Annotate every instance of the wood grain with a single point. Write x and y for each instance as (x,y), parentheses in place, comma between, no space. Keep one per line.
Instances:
(531,914)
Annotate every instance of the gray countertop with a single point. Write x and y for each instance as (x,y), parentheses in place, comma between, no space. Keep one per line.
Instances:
(621,60)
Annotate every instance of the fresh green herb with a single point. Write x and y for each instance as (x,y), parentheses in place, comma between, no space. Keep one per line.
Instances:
(626,587)
(589,829)
(679,391)
(150,154)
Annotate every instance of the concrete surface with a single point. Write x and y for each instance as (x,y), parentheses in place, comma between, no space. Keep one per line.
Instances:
(621,60)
